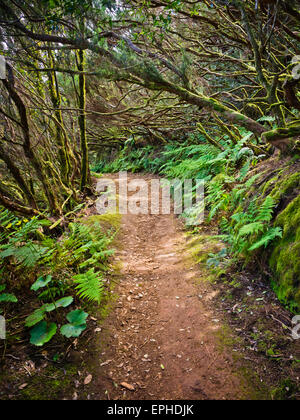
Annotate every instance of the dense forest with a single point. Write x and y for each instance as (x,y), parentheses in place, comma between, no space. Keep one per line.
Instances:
(187,90)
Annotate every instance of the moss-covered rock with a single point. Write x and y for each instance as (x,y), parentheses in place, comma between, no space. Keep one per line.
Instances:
(285,185)
(285,258)
(281,182)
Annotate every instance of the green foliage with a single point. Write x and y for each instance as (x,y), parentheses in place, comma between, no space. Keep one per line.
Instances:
(72,261)
(42,333)
(8,298)
(40,283)
(64,302)
(77,324)
(70,330)
(40,313)
(87,246)
(35,317)
(77,317)
(89,285)
(285,261)
(19,240)
(133,160)
(250,229)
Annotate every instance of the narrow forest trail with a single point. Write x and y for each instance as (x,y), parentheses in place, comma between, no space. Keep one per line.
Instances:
(162,335)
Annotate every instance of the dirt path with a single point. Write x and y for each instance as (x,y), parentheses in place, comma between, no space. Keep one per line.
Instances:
(162,336)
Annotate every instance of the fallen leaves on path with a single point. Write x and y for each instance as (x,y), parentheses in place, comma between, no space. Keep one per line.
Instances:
(127,386)
(88,380)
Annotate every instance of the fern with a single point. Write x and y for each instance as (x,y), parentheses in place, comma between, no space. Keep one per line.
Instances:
(265,212)
(89,285)
(251,229)
(268,237)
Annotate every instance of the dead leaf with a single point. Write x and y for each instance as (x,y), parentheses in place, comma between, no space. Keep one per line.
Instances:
(88,380)
(127,386)
(106,363)
(23,386)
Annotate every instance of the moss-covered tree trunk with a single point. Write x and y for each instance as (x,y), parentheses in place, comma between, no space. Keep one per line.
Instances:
(16,173)
(12,205)
(61,139)
(85,174)
(28,150)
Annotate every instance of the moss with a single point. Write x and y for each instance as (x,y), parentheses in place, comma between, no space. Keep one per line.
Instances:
(252,388)
(285,258)
(201,246)
(226,339)
(285,186)
(285,391)
(223,178)
(56,384)
(107,221)
(95,175)
(269,185)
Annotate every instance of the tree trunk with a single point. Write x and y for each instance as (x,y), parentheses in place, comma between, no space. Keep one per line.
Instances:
(85,174)
(60,136)
(18,177)
(30,155)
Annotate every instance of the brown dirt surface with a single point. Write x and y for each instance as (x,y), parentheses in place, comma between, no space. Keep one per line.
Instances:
(163,333)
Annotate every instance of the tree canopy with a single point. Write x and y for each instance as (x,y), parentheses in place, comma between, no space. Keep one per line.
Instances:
(153,69)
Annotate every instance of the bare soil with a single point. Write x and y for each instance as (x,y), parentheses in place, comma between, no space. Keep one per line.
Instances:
(163,339)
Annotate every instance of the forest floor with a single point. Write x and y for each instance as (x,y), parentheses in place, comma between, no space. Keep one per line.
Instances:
(168,330)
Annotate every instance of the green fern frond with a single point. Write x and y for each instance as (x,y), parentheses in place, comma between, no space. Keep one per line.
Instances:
(250,229)
(268,237)
(27,255)
(265,212)
(89,285)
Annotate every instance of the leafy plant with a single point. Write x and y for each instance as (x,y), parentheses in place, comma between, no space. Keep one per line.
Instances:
(77,324)
(6,297)
(89,285)
(42,333)
(250,230)
(77,262)
(40,283)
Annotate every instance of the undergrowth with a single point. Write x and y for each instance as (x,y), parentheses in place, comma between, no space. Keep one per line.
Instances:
(58,270)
